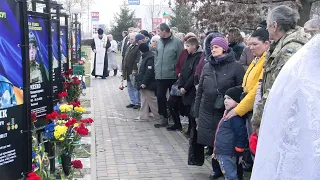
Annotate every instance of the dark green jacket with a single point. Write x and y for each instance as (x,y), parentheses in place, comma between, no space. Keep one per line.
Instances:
(166,58)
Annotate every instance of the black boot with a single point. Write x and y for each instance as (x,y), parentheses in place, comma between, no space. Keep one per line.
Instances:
(174,127)
(176,119)
(216,170)
(115,72)
(163,122)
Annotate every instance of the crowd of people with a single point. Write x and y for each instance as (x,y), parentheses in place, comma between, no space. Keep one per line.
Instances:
(220,86)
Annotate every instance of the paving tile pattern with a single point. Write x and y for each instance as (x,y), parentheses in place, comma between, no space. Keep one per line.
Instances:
(126,149)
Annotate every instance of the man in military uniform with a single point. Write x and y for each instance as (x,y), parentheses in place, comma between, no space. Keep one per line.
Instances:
(35,72)
(287,38)
(7,96)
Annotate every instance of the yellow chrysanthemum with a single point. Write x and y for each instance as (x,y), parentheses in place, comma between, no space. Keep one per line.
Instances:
(59,132)
(80,109)
(65,108)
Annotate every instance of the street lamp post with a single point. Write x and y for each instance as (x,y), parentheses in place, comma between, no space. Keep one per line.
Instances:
(76,26)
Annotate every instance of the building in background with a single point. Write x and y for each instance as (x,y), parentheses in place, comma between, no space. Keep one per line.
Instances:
(150,12)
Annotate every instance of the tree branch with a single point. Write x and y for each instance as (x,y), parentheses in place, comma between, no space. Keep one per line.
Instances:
(256,2)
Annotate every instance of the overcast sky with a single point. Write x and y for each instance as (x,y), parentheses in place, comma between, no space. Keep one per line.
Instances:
(107,8)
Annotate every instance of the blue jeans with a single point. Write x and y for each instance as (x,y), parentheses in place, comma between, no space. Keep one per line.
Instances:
(228,165)
(134,94)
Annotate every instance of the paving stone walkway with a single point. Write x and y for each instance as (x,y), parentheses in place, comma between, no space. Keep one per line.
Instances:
(125,149)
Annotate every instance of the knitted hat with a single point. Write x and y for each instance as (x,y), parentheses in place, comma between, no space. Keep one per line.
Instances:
(144,47)
(220,41)
(235,93)
(139,37)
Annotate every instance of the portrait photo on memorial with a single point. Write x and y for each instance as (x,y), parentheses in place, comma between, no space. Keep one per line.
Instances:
(11,81)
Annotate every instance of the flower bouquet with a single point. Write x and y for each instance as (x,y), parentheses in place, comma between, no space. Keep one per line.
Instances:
(72,86)
(40,160)
(66,131)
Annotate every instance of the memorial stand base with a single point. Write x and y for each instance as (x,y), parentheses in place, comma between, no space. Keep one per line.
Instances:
(66,164)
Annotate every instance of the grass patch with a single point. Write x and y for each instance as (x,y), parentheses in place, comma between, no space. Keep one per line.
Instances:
(81,173)
(82,152)
(85,103)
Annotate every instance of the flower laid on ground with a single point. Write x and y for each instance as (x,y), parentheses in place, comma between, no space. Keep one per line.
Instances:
(87,121)
(77,164)
(59,132)
(62,95)
(48,131)
(65,108)
(33,117)
(82,130)
(80,109)
(33,176)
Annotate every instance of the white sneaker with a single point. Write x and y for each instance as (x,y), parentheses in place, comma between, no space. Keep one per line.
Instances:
(185,120)
(137,119)
(151,115)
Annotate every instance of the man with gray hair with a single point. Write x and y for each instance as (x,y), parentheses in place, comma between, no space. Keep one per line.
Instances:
(312,27)
(130,68)
(287,38)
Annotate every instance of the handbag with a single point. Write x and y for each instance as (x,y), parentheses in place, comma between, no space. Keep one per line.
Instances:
(219,103)
(175,90)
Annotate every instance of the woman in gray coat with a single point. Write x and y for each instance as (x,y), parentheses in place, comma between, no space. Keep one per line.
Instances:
(221,73)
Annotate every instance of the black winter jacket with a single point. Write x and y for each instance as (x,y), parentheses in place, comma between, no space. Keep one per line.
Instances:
(229,73)
(231,133)
(186,79)
(237,49)
(146,74)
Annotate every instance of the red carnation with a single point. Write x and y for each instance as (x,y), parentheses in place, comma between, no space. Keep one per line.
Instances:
(52,116)
(71,122)
(75,104)
(82,130)
(62,95)
(76,82)
(77,164)
(90,120)
(64,116)
(33,176)
(48,117)
(33,117)
(70,71)
(87,121)
(55,114)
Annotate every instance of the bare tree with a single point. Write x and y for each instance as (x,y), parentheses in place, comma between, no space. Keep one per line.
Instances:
(303,6)
(154,9)
(315,11)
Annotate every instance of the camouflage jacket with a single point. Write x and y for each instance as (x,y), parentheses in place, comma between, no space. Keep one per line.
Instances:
(283,49)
